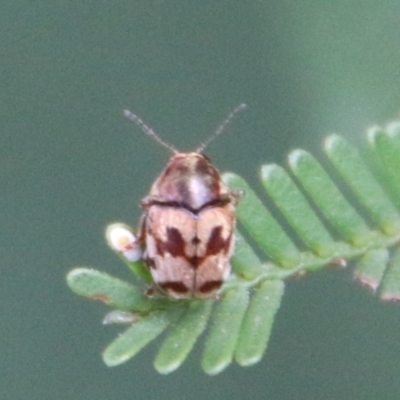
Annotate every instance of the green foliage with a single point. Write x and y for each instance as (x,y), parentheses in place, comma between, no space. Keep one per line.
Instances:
(361,225)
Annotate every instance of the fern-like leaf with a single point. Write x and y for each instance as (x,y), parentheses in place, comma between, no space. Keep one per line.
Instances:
(332,227)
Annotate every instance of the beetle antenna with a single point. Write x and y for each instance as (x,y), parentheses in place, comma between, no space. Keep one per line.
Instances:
(222,127)
(148,131)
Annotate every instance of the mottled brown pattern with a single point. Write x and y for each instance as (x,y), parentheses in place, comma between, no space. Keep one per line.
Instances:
(173,185)
(150,262)
(188,227)
(210,286)
(194,261)
(174,244)
(185,197)
(176,287)
(216,242)
(204,168)
(195,241)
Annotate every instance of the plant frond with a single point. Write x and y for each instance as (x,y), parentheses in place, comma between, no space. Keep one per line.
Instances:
(330,224)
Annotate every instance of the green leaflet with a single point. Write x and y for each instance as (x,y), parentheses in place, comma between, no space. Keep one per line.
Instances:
(297,210)
(328,198)
(352,168)
(222,339)
(257,324)
(385,148)
(141,333)
(371,267)
(262,226)
(100,286)
(245,261)
(391,282)
(183,336)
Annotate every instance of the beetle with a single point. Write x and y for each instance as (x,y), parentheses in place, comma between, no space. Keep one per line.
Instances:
(188,222)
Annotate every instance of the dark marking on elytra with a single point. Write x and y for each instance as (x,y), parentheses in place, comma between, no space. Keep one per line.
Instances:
(210,286)
(150,263)
(174,286)
(194,261)
(216,242)
(174,244)
(195,241)
(219,202)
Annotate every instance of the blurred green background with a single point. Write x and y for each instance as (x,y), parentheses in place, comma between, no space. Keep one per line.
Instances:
(71,163)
